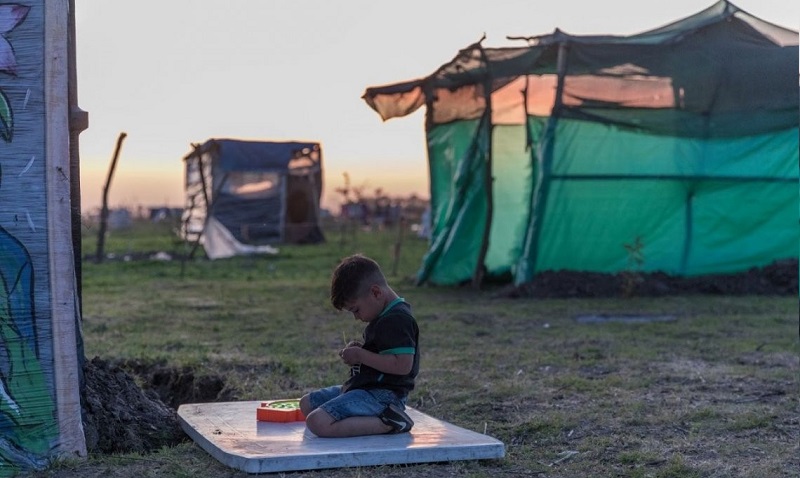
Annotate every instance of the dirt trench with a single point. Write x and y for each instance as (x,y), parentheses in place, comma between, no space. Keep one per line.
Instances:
(120,416)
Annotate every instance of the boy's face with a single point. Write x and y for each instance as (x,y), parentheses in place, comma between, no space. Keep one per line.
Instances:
(368,306)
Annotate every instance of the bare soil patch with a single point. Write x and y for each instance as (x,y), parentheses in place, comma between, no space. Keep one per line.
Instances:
(120,416)
(778,278)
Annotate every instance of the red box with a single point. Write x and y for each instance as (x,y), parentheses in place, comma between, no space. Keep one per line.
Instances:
(282,411)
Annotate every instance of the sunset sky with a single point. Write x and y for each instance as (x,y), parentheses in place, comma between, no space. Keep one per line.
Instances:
(172,73)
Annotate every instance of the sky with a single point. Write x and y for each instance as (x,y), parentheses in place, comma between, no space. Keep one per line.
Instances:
(170,73)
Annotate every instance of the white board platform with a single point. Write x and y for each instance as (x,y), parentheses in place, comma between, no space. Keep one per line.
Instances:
(229,432)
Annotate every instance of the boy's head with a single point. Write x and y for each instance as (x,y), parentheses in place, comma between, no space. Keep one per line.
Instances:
(353,278)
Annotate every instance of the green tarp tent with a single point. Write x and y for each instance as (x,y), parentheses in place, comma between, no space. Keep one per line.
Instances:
(673,150)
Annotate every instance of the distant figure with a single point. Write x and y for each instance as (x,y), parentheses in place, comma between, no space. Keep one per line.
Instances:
(382,368)
(425,226)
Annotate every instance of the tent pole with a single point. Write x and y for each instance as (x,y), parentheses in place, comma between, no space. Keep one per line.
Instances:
(488,180)
(209,212)
(424,269)
(527,264)
(196,154)
(209,207)
(201,170)
(688,233)
(315,191)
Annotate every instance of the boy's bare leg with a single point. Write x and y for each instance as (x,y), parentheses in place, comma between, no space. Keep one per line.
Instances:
(323,425)
(305,405)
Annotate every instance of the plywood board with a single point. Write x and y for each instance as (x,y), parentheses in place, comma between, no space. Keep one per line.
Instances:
(230,433)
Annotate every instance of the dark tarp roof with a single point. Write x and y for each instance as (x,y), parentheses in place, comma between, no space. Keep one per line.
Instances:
(720,72)
(241,155)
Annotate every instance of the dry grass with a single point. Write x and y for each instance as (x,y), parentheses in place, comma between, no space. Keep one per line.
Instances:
(711,394)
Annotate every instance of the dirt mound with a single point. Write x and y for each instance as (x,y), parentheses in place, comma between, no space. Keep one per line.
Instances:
(778,278)
(121,417)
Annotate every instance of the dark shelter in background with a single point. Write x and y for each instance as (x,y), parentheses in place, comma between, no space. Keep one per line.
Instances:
(672,150)
(242,197)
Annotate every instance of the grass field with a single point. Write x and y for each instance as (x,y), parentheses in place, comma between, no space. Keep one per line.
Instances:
(713,393)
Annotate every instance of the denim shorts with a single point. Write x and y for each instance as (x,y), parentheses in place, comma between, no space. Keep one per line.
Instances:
(354,403)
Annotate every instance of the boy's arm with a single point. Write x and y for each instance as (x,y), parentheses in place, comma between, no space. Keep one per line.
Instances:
(386,363)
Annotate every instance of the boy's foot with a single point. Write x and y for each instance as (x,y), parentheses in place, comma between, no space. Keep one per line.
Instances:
(396,418)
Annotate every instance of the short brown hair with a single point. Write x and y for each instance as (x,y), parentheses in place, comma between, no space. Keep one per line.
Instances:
(352,278)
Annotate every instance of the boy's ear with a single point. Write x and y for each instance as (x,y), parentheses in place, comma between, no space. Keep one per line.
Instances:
(375,290)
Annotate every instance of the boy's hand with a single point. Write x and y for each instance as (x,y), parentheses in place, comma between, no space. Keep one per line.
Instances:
(350,354)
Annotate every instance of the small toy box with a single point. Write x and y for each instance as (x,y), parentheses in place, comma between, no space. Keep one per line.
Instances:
(282,411)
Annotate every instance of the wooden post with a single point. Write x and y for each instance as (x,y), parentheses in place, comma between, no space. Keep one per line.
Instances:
(343,228)
(101,234)
(78,121)
(401,223)
(488,179)
(65,335)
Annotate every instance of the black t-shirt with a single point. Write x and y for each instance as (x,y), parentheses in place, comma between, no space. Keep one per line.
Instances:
(394,332)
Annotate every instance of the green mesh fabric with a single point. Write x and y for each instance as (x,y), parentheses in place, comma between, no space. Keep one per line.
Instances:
(459,207)
(680,205)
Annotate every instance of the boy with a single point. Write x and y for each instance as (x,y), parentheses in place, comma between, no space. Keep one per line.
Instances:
(383,368)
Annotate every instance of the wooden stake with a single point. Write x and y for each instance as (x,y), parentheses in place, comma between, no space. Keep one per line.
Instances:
(101,234)
(398,244)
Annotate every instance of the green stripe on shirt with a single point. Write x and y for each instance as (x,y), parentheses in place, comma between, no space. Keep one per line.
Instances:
(399,351)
